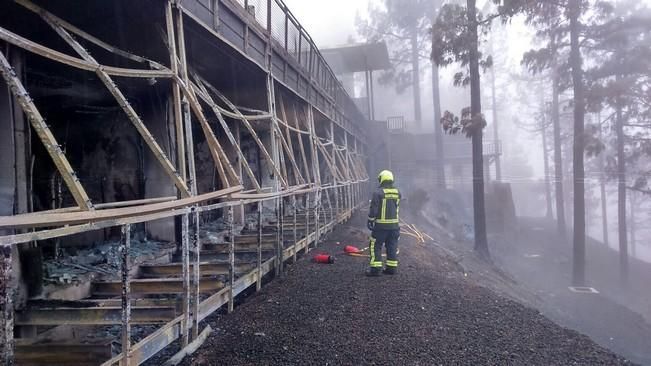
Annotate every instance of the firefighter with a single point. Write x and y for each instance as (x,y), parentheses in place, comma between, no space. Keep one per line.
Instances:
(384,225)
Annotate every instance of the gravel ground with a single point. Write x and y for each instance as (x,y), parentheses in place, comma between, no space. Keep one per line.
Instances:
(429,314)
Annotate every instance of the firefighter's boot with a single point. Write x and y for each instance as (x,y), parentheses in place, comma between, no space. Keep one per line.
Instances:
(390,270)
(373,271)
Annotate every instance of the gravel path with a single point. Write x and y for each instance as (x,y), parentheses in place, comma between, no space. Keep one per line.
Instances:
(429,314)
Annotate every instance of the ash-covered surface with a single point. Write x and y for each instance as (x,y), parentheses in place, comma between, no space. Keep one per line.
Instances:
(429,314)
(103,260)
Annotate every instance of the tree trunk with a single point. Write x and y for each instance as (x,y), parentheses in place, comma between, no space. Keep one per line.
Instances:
(439,168)
(498,162)
(602,188)
(561,227)
(415,76)
(548,190)
(621,193)
(578,274)
(632,227)
(438,130)
(481,242)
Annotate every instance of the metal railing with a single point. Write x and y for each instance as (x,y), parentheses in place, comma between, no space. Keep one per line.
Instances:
(271,21)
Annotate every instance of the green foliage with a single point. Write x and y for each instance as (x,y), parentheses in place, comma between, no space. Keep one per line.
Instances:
(593,144)
(466,124)
(451,41)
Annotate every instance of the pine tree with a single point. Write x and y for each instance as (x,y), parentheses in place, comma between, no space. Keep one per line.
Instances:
(456,40)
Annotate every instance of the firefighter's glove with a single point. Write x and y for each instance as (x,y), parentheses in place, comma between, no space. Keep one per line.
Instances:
(370,224)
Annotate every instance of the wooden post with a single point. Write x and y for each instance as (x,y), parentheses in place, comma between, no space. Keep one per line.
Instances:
(307,222)
(334,148)
(275,151)
(316,172)
(185,255)
(125,247)
(317,219)
(327,194)
(191,276)
(6,307)
(351,177)
(196,271)
(258,282)
(231,259)
(239,209)
(281,235)
(176,93)
(192,176)
(185,108)
(294,226)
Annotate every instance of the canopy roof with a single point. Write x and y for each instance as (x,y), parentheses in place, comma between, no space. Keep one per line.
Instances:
(357,57)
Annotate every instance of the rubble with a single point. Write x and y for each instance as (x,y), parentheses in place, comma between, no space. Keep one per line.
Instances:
(101,260)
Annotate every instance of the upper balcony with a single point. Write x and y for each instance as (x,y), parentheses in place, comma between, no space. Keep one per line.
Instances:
(268,34)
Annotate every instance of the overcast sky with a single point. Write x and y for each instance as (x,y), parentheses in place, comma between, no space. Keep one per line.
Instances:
(329,22)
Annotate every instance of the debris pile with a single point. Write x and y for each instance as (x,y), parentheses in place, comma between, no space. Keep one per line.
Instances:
(104,260)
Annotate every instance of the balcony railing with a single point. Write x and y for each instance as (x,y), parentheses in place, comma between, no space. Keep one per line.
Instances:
(303,68)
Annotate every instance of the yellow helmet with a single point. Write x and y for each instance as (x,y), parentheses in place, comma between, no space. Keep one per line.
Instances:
(385,176)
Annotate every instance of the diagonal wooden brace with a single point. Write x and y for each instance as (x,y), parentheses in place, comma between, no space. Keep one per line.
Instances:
(215,147)
(203,94)
(126,107)
(45,135)
(254,134)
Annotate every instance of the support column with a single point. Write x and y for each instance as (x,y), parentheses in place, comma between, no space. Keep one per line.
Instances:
(334,179)
(275,154)
(125,247)
(238,210)
(196,272)
(281,235)
(6,308)
(176,93)
(258,282)
(317,174)
(231,259)
(185,255)
(190,282)
(294,226)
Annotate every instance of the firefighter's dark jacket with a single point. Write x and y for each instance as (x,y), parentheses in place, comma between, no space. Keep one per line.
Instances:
(385,205)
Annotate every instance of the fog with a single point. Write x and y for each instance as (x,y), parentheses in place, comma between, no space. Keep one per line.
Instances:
(534,87)
(331,26)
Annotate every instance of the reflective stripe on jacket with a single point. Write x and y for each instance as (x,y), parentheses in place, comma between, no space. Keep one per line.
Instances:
(385,207)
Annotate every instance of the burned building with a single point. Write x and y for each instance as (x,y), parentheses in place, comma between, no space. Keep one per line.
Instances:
(158,158)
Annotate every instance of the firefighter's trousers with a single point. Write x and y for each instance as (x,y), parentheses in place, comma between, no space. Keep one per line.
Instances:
(379,238)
